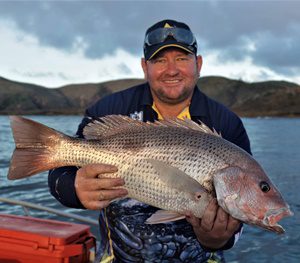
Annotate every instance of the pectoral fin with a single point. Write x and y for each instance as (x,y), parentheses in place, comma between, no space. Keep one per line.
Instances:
(177,179)
(164,216)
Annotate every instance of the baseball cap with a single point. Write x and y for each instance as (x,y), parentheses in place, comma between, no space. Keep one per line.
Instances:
(168,33)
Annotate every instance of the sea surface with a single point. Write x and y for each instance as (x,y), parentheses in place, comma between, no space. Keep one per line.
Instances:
(275,143)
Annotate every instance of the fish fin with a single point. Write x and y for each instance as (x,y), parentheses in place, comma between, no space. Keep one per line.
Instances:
(188,124)
(110,125)
(164,216)
(115,124)
(177,179)
(34,142)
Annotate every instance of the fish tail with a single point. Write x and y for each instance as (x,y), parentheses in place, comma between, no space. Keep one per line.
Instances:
(35,148)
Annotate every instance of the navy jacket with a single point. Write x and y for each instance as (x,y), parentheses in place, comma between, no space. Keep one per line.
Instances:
(137,103)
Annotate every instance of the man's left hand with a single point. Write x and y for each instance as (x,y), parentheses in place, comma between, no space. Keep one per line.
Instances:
(215,228)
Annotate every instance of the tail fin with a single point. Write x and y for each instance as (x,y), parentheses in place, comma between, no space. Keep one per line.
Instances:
(35,148)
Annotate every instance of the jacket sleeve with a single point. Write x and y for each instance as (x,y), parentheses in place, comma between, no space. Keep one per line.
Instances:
(230,242)
(238,135)
(232,129)
(61,185)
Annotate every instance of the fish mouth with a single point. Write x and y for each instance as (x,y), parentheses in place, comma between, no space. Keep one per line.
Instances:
(273,216)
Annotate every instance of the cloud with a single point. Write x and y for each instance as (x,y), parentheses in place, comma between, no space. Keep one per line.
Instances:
(124,22)
(281,52)
(52,67)
(102,25)
(260,34)
(245,69)
(266,31)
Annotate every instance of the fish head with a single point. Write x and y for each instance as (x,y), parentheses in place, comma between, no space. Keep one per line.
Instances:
(250,196)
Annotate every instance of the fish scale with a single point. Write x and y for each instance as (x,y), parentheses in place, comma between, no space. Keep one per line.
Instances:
(154,191)
(157,140)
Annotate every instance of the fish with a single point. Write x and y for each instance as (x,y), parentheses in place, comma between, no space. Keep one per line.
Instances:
(176,165)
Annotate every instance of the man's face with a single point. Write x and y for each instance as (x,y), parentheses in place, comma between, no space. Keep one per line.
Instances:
(172,75)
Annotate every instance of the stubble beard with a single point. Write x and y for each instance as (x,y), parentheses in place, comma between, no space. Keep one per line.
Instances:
(163,97)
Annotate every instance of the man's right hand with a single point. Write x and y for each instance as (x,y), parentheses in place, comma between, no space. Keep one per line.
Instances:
(96,193)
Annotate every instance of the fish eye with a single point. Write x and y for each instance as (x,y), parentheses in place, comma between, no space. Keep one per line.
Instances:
(264,186)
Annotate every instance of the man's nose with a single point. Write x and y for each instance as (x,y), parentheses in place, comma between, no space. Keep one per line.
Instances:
(172,68)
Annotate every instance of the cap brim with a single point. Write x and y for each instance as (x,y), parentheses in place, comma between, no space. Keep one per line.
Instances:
(169,45)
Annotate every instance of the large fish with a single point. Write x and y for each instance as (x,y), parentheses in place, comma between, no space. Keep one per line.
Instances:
(176,165)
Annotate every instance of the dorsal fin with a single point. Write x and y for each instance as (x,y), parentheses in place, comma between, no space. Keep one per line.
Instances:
(110,125)
(188,124)
(114,124)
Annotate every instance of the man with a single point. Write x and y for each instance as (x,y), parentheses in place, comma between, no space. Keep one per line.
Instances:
(171,67)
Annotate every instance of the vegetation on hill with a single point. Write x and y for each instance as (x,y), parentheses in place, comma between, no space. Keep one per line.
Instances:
(270,98)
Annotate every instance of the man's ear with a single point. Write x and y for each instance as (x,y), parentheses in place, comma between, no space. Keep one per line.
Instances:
(199,63)
(144,67)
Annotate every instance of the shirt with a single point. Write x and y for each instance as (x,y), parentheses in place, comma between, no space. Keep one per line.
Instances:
(184,114)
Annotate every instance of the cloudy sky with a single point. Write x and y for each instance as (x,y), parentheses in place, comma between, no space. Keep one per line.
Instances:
(53,43)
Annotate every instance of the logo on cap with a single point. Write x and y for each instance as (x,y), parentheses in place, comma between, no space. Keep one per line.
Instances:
(167,26)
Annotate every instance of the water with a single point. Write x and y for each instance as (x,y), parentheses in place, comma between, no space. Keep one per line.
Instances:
(275,144)
(34,189)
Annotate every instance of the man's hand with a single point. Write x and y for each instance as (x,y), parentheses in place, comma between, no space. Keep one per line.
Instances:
(96,193)
(215,228)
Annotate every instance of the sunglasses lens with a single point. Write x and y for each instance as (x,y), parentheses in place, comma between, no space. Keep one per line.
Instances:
(156,37)
(161,34)
(184,36)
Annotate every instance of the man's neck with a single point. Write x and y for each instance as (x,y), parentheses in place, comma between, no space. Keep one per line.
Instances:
(169,110)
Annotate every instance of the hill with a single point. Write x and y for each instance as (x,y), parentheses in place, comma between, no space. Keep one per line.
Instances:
(270,98)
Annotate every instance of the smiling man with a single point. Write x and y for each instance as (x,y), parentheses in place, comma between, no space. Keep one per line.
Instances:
(172,75)
(171,67)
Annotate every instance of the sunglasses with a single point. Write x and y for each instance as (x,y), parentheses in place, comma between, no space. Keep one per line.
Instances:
(160,35)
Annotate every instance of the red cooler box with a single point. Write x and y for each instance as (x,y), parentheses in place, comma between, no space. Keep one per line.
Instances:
(30,240)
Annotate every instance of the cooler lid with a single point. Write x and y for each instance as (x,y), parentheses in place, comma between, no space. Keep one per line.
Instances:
(41,230)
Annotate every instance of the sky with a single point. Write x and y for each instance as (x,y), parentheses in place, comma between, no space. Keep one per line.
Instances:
(55,43)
